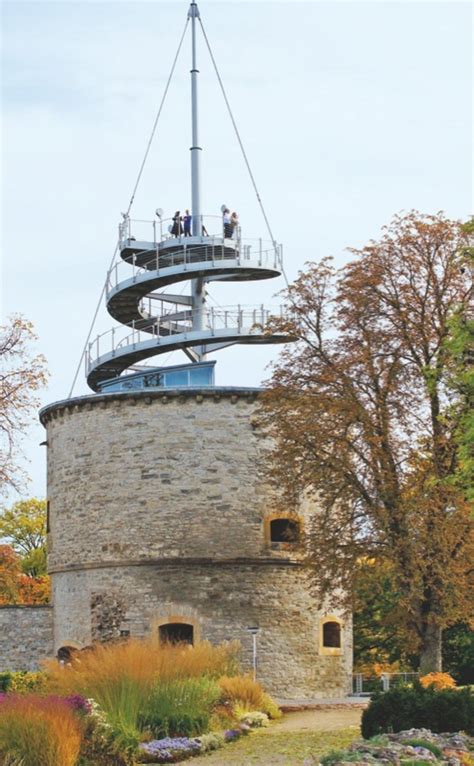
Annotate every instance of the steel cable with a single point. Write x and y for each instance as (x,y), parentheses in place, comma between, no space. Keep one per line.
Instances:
(132,198)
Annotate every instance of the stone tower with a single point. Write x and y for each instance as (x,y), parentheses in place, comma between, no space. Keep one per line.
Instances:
(160,520)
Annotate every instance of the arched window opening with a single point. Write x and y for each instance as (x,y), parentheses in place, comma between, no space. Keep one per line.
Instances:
(284,531)
(332,635)
(65,654)
(177,633)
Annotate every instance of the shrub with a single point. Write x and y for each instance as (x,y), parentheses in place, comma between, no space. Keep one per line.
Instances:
(418,707)
(180,707)
(254,718)
(22,681)
(211,741)
(33,727)
(438,680)
(427,745)
(335,756)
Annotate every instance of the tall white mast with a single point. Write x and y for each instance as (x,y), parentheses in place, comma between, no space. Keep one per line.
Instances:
(197,285)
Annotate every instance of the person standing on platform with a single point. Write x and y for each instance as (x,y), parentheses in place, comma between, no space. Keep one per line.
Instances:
(177,229)
(226,223)
(187,218)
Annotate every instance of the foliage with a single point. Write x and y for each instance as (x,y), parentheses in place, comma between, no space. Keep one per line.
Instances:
(363,417)
(19,588)
(336,756)
(34,726)
(21,375)
(181,706)
(122,678)
(211,741)
(21,681)
(100,744)
(24,528)
(170,750)
(253,718)
(438,681)
(416,707)
(381,644)
(424,743)
(458,653)
(243,690)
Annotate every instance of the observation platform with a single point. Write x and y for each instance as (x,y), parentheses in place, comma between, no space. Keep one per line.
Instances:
(154,321)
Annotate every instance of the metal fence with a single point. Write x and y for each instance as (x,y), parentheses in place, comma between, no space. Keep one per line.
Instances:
(367,685)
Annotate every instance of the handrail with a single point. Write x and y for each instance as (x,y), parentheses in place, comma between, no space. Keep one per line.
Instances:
(244,319)
(244,255)
(158,230)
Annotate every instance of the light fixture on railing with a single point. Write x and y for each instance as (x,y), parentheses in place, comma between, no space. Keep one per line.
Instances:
(159,212)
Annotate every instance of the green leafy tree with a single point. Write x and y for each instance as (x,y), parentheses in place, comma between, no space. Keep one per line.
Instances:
(23,526)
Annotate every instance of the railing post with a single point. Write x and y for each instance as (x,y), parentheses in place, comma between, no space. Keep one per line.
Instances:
(239,319)
(154,232)
(212,320)
(260,252)
(385,681)
(359,683)
(263,315)
(113,339)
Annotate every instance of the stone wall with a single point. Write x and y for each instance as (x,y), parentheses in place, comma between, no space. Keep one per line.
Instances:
(157,510)
(26,636)
(221,601)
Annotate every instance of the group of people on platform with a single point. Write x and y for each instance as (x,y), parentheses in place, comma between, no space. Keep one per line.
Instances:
(182,224)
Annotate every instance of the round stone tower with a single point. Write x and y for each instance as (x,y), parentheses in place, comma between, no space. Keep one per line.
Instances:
(160,521)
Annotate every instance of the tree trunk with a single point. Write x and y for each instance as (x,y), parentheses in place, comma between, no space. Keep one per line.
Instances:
(430,657)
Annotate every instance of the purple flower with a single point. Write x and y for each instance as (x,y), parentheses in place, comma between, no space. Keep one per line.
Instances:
(77,702)
(165,750)
(232,734)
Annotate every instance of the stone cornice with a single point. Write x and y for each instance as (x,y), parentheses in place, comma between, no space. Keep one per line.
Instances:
(164,395)
(165,562)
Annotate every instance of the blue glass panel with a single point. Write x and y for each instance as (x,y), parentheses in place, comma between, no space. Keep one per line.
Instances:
(201,376)
(176,378)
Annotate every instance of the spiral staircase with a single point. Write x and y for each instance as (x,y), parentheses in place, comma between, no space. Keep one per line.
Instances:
(153,317)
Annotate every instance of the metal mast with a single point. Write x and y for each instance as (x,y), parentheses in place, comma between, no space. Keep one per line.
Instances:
(198,290)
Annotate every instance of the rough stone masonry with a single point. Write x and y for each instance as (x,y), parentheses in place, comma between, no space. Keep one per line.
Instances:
(158,515)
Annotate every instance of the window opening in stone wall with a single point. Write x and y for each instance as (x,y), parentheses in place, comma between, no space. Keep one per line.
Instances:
(284,531)
(65,654)
(177,632)
(332,635)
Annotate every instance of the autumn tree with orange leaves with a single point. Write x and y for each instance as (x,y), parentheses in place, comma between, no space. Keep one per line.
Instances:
(363,419)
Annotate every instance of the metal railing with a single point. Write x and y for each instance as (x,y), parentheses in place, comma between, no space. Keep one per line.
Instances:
(160,230)
(366,685)
(242,320)
(248,253)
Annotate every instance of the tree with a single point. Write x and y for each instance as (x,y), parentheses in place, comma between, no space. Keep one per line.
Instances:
(361,415)
(21,374)
(24,527)
(10,572)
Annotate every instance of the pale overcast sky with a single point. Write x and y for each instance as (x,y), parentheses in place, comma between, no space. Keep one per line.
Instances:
(349,111)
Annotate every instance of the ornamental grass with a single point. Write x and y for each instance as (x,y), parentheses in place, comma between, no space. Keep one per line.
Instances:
(122,677)
(37,730)
(248,695)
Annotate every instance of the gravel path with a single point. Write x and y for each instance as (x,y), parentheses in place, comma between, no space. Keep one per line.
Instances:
(292,741)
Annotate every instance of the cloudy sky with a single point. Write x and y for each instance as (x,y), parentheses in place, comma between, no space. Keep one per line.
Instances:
(349,112)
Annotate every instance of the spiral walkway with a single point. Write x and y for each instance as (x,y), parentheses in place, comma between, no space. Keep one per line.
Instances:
(153,322)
